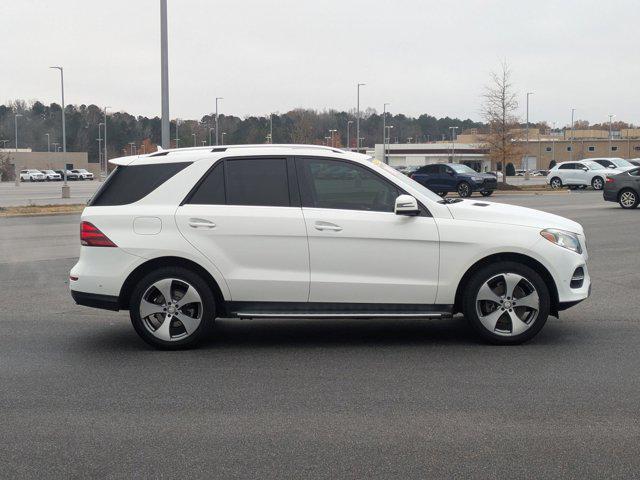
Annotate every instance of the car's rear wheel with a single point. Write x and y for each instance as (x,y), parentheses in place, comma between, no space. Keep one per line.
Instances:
(597,183)
(486,193)
(464,189)
(506,303)
(555,183)
(172,308)
(628,198)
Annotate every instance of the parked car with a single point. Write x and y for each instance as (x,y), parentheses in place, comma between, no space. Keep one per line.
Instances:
(614,163)
(443,178)
(623,188)
(31,175)
(71,175)
(581,173)
(50,175)
(539,173)
(260,231)
(635,162)
(83,174)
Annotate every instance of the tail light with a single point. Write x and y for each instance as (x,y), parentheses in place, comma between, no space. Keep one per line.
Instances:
(91,236)
(610,180)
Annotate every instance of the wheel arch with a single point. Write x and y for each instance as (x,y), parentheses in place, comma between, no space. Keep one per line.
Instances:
(160,262)
(532,263)
(624,189)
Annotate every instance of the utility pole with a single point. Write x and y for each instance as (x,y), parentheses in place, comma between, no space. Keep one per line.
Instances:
(164,79)
(358,118)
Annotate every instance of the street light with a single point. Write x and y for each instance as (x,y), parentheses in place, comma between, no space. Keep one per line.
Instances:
(177,138)
(217,126)
(105,156)
(48,142)
(348,131)
(66,190)
(611,115)
(210,130)
(358,117)
(164,79)
(453,142)
(195,139)
(222,136)
(526,167)
(271,127)
(384,132)
(386,142)
(573,110)
(15,159)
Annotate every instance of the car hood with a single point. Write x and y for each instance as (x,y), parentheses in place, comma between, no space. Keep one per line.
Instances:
(490,212)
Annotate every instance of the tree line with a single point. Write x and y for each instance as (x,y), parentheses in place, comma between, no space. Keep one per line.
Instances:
(296,126)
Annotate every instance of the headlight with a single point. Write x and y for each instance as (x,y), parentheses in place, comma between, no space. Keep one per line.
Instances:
(563,239)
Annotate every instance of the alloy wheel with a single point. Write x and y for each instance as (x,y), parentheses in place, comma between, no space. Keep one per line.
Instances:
(463,190)
(171,309)
(507,304)
(597,183)
(556,183)
(628,199)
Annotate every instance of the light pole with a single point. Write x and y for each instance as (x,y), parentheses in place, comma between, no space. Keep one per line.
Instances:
(384,132)
(164,78)
(15,159)
(271,128)
(222,137)
(526,167)
(66,190)
(573,110)
(611,115)
(331,132)
(48,142)
(195,140)
(387,141)
(553,143)
(105,156)
(177,138)
(99,139)
(348,131)
(358,118)
(453,142)
(217,126)
(210,130)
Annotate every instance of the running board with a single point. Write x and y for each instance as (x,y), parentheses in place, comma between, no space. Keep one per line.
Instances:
(341,315)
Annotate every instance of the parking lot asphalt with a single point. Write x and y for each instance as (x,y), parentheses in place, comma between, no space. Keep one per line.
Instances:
(81,395)
(45,193)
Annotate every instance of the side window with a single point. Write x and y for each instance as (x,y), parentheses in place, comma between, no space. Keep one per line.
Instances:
(210,191)
(446,170)
(635,173)
(257,181)
(343,185)
(567,166)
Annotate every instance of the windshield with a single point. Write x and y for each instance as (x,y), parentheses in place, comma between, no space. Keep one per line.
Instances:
(620,162)
(404,180)
(594,165)
(460,168)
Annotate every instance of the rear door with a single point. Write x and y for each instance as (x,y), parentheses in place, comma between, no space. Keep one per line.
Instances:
(245,216)
(359,250)
(566,172)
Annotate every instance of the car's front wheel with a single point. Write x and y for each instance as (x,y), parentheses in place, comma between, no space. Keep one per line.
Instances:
(597,183)
(486,193)
(506,303)
(464,189)
(628,198)
(172,308)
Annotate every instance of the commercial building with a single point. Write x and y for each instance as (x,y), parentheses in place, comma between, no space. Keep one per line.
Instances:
(25,158)
(474,155)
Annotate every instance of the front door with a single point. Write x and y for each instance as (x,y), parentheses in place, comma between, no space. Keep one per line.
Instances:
(359,250)
(247,221)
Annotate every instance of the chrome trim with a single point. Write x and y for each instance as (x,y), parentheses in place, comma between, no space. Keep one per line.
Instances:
(342,315)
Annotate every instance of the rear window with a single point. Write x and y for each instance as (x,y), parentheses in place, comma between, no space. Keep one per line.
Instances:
(128,184)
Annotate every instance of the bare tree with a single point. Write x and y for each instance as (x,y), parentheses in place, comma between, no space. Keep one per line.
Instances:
(499,107)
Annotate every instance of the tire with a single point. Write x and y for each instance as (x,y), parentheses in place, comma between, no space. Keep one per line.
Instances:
(628,198)
(489,281)
(464,189)
(597,183)
(555,183)
(486,193)
(177,334)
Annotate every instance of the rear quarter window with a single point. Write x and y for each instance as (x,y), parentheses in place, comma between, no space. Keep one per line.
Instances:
(128,184)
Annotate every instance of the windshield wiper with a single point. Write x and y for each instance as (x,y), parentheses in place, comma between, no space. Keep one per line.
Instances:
(446,201)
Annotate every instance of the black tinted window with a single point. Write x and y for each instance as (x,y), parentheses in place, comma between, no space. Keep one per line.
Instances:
(343,185)
(567,166)
(211,190)
(128,184)
(259,181)
(428,169)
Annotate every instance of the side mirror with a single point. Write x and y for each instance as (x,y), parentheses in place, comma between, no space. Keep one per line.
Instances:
(406,205)
(612,166)
(585,169)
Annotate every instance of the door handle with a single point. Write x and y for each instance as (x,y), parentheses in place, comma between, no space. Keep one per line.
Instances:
(201,223)
(327,226)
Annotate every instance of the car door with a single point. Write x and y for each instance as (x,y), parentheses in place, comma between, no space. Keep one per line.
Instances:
(245,217)
(449,178)
(567,173)
(359,250)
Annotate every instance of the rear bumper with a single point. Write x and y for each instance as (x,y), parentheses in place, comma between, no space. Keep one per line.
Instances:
(610,195)
(95,300)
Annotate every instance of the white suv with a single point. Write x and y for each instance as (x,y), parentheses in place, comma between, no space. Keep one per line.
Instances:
(181,237)
(32,175)
(582,173)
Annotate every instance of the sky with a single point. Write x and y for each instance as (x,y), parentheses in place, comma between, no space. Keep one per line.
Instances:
(421,56)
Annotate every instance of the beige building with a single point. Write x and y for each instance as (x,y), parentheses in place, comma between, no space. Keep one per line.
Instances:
(25,158)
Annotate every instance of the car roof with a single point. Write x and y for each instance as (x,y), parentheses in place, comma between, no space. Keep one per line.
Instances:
(194,154)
